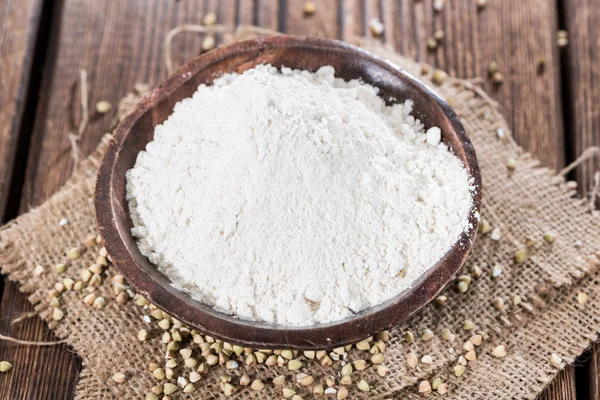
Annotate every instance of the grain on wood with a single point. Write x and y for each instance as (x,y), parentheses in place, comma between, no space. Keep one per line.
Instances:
(19,21)
(322,23)
(514,33)
(582,56)
(42,372)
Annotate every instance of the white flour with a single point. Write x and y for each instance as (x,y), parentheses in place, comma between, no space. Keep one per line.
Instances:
(295,198)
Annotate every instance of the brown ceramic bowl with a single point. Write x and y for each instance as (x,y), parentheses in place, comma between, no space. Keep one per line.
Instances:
(137,129)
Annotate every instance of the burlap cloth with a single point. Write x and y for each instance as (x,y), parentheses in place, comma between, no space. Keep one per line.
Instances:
(526,203)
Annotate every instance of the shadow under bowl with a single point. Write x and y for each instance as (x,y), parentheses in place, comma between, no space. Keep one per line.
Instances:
(298,52)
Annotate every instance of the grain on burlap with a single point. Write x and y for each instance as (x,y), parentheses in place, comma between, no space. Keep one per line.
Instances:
(525,203)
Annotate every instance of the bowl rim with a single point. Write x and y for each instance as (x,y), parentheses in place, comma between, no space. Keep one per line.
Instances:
(260,335)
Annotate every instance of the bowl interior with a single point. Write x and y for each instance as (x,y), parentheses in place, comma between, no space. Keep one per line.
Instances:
(137,130)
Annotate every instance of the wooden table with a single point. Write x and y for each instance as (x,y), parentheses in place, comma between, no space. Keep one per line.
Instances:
(550,96)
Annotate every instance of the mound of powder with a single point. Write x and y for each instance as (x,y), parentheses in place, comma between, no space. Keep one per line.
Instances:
(295,198)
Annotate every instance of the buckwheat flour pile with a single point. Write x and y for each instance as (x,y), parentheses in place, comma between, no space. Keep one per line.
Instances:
(295,198)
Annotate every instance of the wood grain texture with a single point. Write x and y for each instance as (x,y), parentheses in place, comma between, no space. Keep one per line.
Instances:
(324,22)
(594,372)
(48,372)
(563,386)
(582,21)
(582,104)
(19,22)
(119,43)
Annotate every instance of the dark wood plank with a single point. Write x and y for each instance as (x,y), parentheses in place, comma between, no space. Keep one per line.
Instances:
(581,18)
(582,55)
(515,34)
(38,372)
(593,365)
(562,387)
(19,22)
(353,22)
(102,38)
(324,22)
